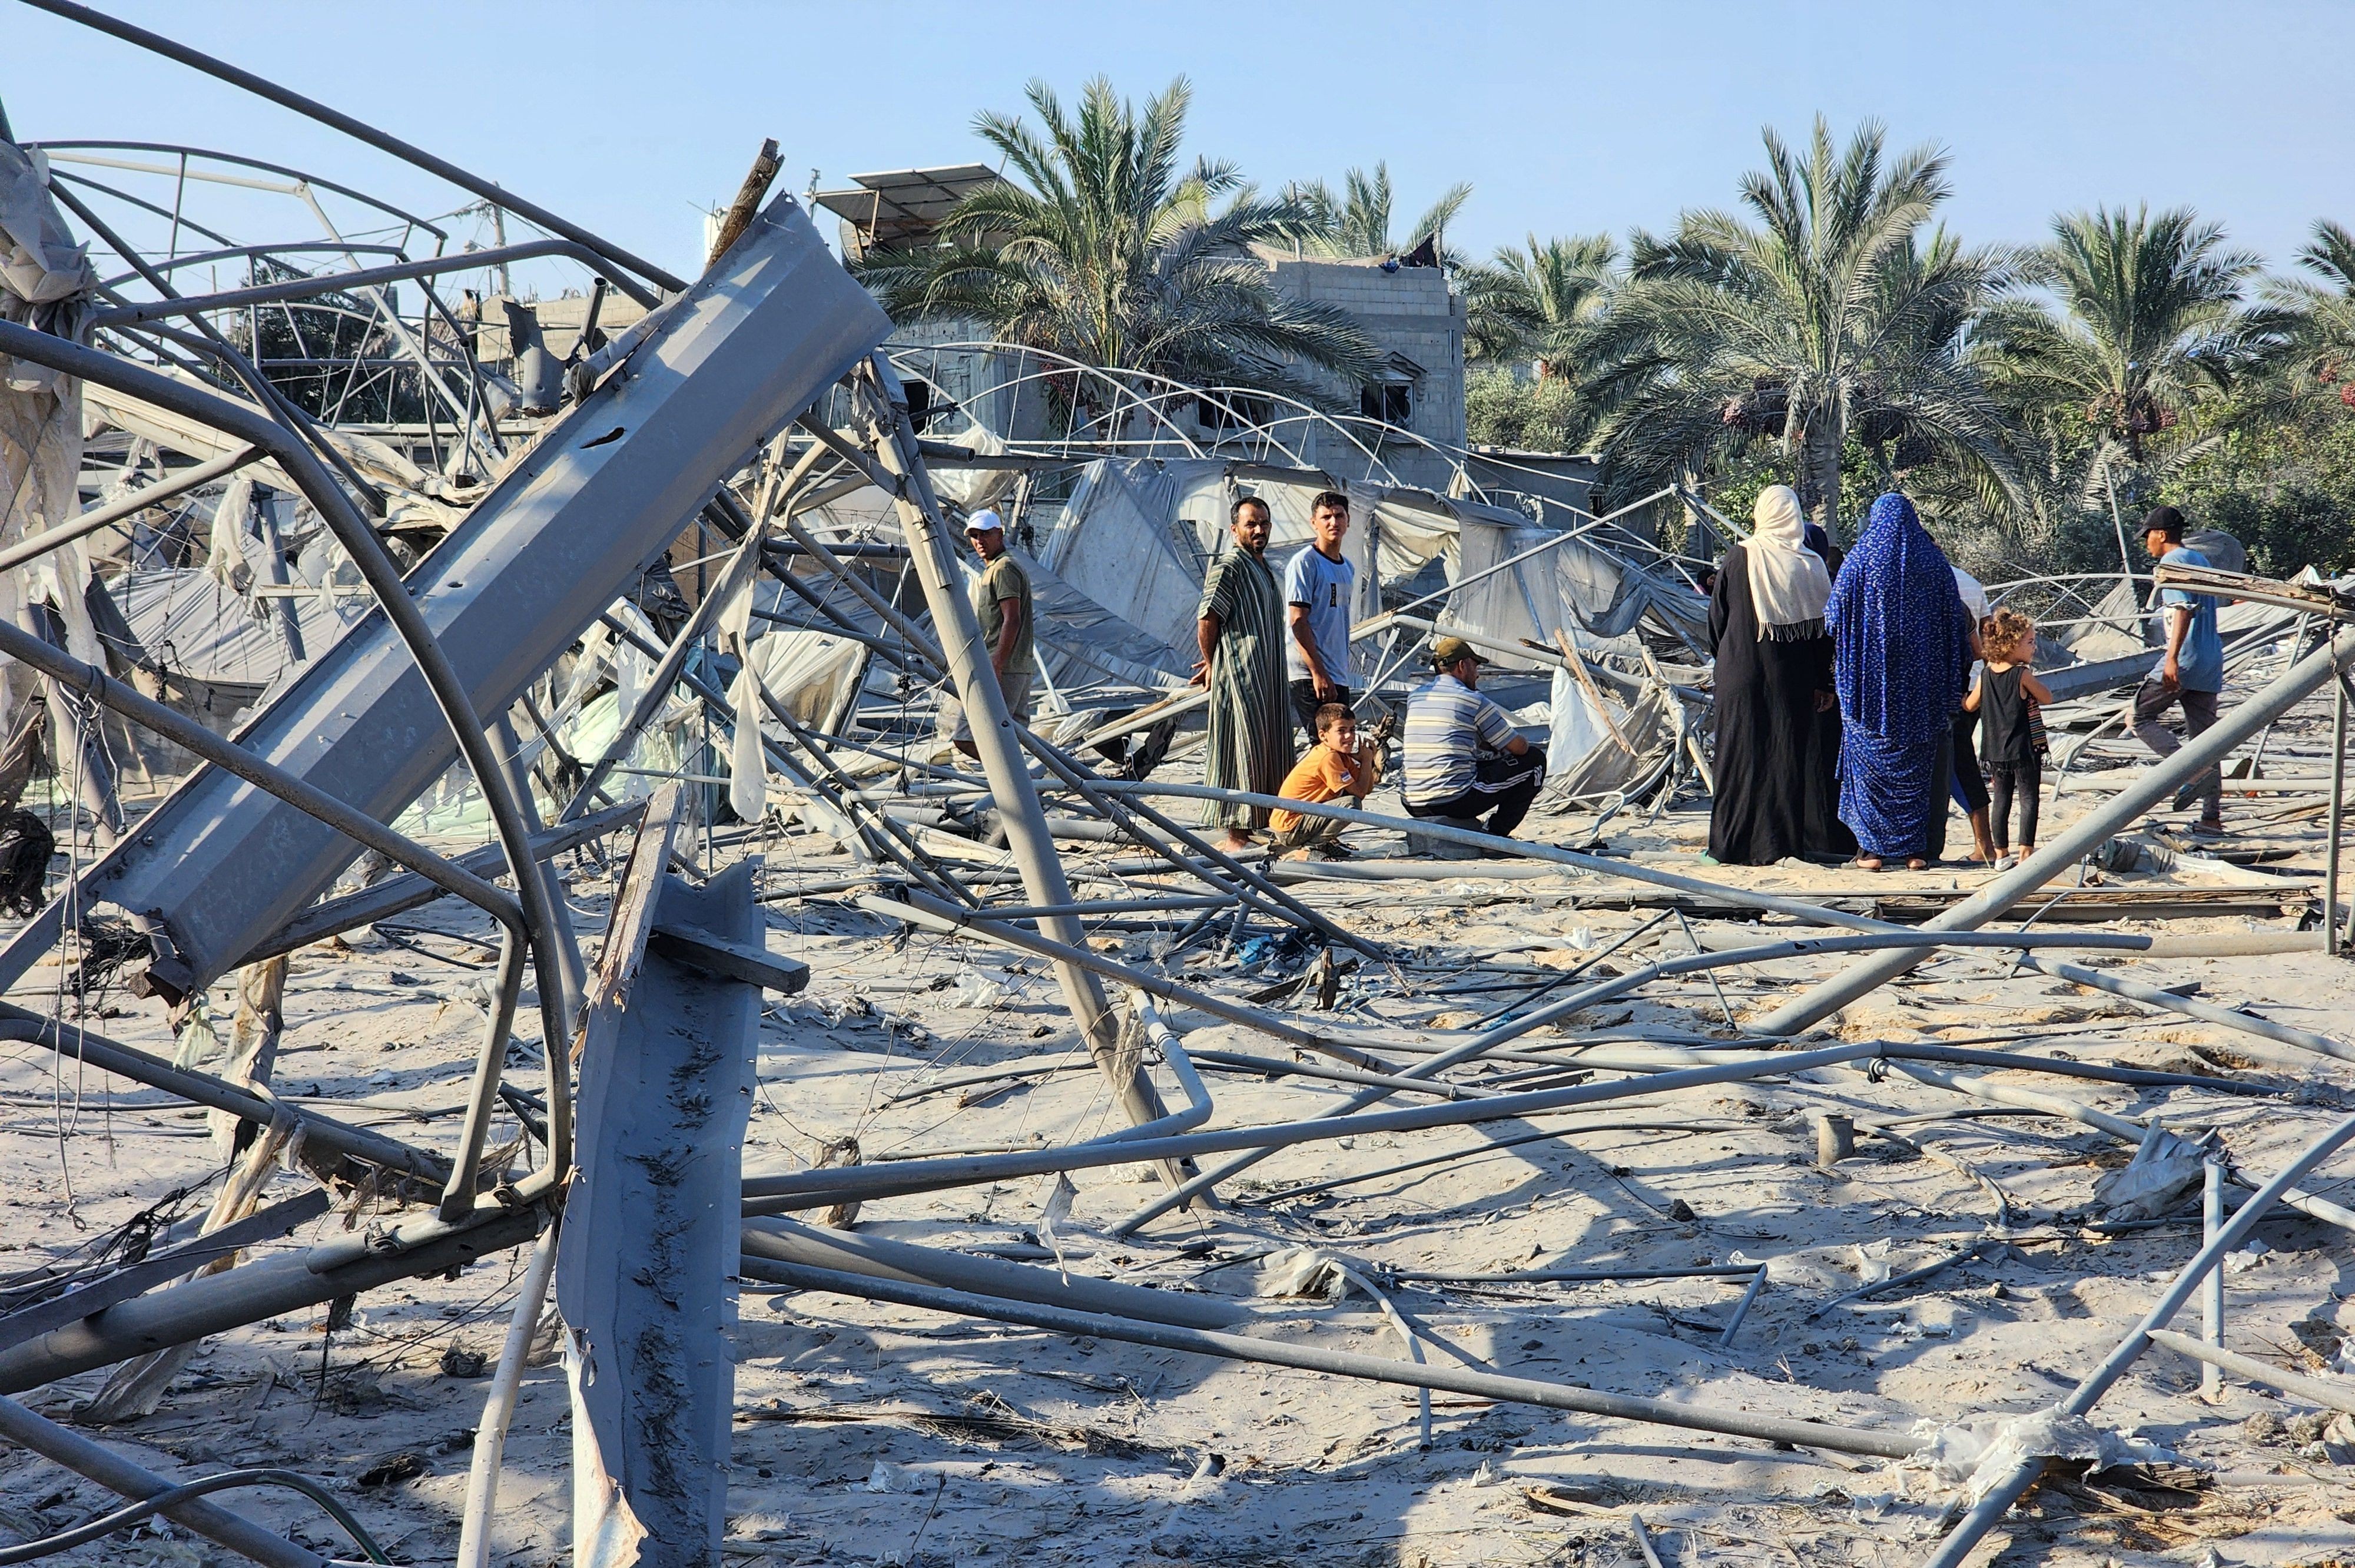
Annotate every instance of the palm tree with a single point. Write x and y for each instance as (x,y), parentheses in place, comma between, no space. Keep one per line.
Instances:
(1106,252)
(1538,302)
(2153,326)
(1357,222)
(1830,317)
(2320,341)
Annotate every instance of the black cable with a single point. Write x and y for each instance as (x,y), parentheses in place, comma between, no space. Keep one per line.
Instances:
(107,1524)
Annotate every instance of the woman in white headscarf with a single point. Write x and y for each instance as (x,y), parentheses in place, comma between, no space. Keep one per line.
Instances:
(1777,728)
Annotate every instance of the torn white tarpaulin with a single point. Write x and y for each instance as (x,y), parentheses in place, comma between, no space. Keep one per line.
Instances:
(747,769)
(1649,728)
(2165,1170)
(973,488)
(1576,728)
(1302,1271)
(225,561)
(1574,586)
(1979,1453)
(45,282)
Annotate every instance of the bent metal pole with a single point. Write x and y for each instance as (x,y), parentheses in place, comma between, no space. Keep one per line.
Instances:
(1028,839)
(1994,1503)
(2086,834)
(300,464)
(1797,1434)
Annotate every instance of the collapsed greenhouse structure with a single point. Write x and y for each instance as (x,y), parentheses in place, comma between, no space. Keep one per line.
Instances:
(526,1040)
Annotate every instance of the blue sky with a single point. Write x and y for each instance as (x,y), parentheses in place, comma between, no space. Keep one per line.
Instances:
(631,118)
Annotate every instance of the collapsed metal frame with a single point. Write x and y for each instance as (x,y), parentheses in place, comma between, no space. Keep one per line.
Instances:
(465,1228)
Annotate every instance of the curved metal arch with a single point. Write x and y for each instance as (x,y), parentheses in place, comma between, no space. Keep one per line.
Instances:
(485,439)
(1170,390)
(377,570)
(254,252)
(196,59)
(238,160)
(141,202)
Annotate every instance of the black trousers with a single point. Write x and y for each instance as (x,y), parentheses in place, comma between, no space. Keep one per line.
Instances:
(2006,780)
(1970,789)
(1304,704)
(1505,787)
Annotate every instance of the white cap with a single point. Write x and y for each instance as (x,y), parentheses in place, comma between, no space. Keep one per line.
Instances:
(984,521)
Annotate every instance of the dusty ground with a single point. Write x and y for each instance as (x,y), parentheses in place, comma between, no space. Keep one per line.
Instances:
(871,1434)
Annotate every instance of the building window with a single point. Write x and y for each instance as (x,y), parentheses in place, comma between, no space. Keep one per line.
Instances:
(1392,402)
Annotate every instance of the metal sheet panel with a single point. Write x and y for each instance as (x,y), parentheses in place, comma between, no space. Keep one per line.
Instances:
(749,346)
(653,1238)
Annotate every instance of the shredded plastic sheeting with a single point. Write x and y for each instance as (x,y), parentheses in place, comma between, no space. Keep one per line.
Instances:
(1574,587)
(2164,1171)
(1978,1454)
(201,631)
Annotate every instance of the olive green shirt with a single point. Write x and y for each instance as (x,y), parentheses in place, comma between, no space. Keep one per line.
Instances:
(1001,580)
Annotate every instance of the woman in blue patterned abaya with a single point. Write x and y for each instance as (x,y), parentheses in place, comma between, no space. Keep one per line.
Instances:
(1900,657)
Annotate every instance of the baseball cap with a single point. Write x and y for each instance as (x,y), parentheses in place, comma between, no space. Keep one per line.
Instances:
(1447,650)
(986,520)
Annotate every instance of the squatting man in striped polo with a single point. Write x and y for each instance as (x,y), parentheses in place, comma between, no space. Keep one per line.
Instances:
(1464,762)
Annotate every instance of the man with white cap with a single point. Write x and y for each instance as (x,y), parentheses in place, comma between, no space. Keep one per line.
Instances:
(1001,602)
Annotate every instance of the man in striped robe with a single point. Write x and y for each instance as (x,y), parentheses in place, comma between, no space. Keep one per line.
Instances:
(1241,634)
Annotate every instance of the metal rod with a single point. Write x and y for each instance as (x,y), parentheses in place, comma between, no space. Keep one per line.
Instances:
(89,522)
(919,910)
(488,191)
(279,1285)
(2151,786)
(1742,1308)
(2337,815)
(2211,1295)
(498,1406)
(1343,1363)
(117,1473)
(2192,1008)
(1110,906)
(1028,839)
(1997,1500)
(2214,1359)
(324,283)
(398,895)
(766,1194)
(668,665)
(204,1088)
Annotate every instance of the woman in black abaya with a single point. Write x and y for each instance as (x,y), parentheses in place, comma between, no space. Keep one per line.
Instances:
(1777,795)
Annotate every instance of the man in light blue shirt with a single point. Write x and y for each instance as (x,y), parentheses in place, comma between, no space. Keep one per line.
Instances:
(1319,586)
(2191,673)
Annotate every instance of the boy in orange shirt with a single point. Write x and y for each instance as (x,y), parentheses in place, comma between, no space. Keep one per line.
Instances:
(1337,765)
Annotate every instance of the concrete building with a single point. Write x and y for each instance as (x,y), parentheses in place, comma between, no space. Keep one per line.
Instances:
(1418,323)
(1412,315)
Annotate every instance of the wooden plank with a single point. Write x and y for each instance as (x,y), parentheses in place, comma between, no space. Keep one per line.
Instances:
(633,920)
(728,960)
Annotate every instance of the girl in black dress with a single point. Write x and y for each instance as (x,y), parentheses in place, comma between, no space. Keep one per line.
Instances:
(2011,737)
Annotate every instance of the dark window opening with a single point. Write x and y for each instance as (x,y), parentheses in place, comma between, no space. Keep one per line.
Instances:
(1392,402)
(1229,411)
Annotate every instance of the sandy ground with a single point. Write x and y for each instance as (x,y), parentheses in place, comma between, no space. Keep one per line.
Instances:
(873,1433)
